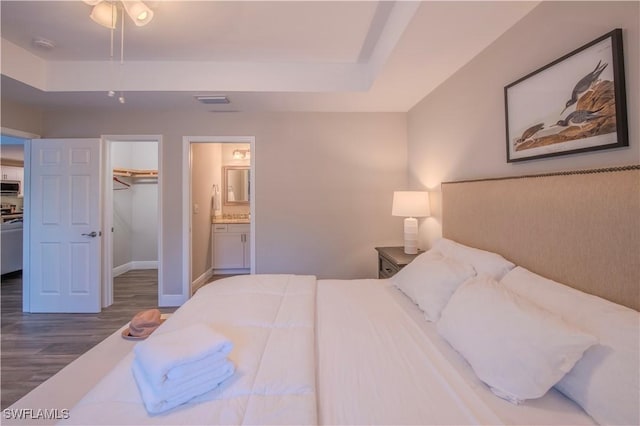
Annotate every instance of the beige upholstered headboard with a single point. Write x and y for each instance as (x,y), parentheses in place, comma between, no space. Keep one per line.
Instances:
(578,228)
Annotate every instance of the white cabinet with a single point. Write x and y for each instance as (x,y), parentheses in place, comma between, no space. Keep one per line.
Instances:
(10,172)
(230,246)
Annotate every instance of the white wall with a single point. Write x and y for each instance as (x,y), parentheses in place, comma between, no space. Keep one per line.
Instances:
(20,117)
(122,208)
(324,182)
(458,131)
(145,203)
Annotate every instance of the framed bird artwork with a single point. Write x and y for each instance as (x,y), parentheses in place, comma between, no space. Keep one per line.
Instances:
(575,104)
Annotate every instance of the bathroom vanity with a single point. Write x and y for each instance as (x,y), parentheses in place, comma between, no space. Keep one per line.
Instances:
(231,246)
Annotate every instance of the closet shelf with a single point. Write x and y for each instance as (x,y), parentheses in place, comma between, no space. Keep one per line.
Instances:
(135,173)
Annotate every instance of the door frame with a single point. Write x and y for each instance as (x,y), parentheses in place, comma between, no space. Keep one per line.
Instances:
(186,200)
(107,213)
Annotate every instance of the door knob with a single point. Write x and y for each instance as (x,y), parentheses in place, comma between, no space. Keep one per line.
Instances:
(91,234)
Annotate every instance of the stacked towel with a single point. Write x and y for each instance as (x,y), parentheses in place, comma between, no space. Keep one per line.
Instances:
(175,367)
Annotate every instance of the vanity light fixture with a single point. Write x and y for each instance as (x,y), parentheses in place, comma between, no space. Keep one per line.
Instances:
(241,154)
(410,204)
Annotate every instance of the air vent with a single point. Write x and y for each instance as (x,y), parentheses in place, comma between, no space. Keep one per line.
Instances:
(213,100)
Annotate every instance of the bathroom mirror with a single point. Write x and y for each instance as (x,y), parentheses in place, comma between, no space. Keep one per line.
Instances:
(236,182)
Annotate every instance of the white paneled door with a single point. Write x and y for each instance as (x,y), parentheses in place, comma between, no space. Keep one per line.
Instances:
(65,237)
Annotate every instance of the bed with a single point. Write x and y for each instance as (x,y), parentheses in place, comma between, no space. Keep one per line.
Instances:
(313,351)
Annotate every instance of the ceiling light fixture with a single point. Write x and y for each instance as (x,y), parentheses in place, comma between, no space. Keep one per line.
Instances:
(105,13)
(139,12)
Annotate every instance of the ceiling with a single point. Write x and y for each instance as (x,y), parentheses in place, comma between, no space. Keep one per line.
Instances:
(11,148)
(264,55)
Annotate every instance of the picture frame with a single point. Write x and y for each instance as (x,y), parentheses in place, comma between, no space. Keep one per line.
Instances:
(574,104)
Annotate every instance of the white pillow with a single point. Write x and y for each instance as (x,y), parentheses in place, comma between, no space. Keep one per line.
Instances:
(514,346)
(484,262)
(606,381)
(430,280)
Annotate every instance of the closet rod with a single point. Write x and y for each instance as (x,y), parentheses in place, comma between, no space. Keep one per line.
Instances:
(135,173)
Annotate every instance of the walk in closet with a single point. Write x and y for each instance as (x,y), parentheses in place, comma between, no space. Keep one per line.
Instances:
(135,205)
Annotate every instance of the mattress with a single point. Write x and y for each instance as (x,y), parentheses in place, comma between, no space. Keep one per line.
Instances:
(306,352)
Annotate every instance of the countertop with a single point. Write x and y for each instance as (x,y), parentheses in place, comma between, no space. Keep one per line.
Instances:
(221,220)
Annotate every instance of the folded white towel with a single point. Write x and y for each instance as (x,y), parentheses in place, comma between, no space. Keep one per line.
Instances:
(156,401)
(210,362)
(209,365)
(170,355)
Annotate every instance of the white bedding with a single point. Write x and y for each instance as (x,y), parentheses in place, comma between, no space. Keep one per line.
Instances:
(380,369)
(270,320)
(406,373)
(357,352)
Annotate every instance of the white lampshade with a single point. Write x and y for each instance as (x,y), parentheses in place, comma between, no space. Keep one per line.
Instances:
(105,14)
(139,12)
(410,204)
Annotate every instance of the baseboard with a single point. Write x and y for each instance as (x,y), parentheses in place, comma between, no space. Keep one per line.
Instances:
(237,271)
(144,264)
(136,264)
(170,300)
(119,270)
(201,280)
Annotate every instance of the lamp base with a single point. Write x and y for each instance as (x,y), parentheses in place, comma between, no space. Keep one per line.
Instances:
(411,235)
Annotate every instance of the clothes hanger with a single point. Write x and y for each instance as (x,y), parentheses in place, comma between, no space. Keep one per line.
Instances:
(115,179)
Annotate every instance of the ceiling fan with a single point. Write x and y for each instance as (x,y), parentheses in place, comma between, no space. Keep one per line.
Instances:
(105,13)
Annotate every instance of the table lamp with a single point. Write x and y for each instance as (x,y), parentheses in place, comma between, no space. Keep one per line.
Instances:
(410,204)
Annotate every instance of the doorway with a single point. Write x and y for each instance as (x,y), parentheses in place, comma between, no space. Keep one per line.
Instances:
(12,153)
(132,209)
(218,197)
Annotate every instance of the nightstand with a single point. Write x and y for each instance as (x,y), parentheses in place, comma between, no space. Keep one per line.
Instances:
(392,259)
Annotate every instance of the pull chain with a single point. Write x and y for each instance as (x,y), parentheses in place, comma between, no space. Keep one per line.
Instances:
(111,92)
(121,98)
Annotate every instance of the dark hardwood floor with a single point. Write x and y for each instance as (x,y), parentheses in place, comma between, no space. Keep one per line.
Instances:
(36,346)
